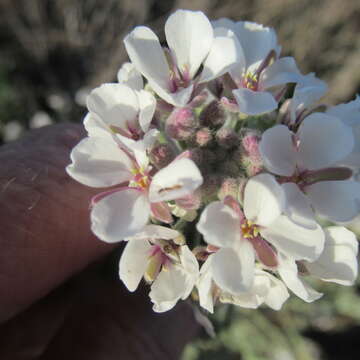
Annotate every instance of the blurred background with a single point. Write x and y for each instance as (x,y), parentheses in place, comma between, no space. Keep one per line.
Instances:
(52,52)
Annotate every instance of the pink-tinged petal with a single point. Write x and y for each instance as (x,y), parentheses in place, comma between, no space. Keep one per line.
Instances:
(289,274)
(219,224)
(335,200)
(225,54)
(146,53)
(233,204)
(130,76)
(147,105)
(293,240)
(180,178)
(298,207)
(324,140)
(278,151)
(256,40)
(282,71)
(133,263)
(154,232)
(264,199)
(192,43)
(167,289)
(266,254)
(338,262)
(254,102)
(233,270)
(116,104)
(120,215)
(99,162)
(161,211)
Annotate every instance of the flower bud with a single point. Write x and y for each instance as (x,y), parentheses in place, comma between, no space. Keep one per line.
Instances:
(213,115)
(230,168)
(250,157)
(227,138)
(210,187)
(161,155)
(181,124)
(229,186)
(203,137)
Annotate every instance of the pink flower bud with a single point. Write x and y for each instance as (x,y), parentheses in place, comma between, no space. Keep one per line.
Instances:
(227,138)
(203,137)
(181,124)
(213,115)
(161,155)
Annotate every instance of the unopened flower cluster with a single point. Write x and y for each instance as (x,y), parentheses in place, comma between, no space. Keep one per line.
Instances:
(218,182)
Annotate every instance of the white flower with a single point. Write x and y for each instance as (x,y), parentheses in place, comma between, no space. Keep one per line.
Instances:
(260,231)
(171,269)
(125,210)
(337,263)
(309,90)
(116,110)
(260,76)
(266,289)
(306,157)
(349,113)
(130,76)
(192,43)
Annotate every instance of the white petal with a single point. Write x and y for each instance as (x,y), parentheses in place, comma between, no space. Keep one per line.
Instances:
(256,40)
(293,240)
(147,104)
(324,140)
(153,232)
(289,274)
(309,90)
(115,104)
(190,266)
(278,151)
(179,98)
(254,102)
(225,53)
(130,76)
(277,293)
(335,200)
(178,179)
(99,162)
(133,263)
(338,261)
(120,215)
(264,199)
(219,225)
(189,35)
(349,113)
(298,207)
(146,53)
(96,127)
(205,286)
(233,270)
(282,71)
(169,286)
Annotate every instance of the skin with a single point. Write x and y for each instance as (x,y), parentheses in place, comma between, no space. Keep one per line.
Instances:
(60,297)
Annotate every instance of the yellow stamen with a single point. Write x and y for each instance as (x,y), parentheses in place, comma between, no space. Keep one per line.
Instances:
(249,229)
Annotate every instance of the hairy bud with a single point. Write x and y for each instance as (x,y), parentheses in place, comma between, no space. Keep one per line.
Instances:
(227,138)
(161,155)
(213,115)
(181,124)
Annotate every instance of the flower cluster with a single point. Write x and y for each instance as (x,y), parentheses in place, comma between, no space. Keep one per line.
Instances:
(221,187)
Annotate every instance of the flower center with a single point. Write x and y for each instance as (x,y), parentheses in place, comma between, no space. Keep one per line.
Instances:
(141,179)
(251,81)
(249,229)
